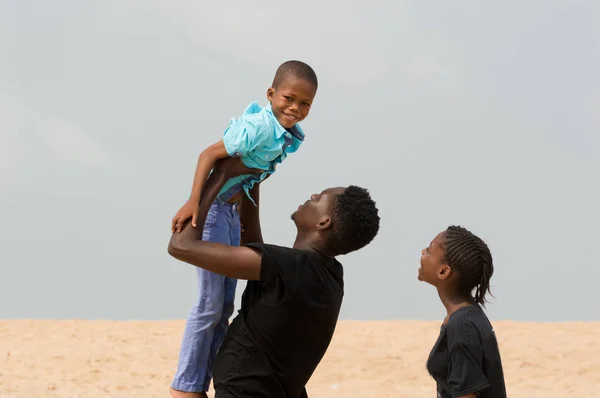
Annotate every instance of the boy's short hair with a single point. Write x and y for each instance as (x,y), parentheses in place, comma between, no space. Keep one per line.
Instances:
(355,220)
(297,69)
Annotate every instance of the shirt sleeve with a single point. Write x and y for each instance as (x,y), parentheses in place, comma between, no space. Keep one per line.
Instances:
(278,266)
(465,375)
(241,137)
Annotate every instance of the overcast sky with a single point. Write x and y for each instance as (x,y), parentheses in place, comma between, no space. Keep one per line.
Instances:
(484,114)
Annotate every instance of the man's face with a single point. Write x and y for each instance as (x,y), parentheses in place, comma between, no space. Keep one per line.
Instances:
(317,210)
(291,100)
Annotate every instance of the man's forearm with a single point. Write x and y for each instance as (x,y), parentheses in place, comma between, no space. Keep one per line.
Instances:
(187,245)
(250,217)
(223,170)
(181,240)
(234,262)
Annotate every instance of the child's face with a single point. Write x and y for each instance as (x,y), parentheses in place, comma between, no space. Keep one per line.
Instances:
(433,269)
(291,101)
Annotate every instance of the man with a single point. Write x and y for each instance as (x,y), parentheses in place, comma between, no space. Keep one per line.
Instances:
(292,300)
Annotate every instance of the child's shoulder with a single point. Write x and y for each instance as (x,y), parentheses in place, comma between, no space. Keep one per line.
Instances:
(255,114)
(256,119)
(467,322)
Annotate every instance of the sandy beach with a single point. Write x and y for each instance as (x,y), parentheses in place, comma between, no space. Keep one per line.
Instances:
(44,358)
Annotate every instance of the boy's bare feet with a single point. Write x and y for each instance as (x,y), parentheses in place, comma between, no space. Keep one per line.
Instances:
(182,394)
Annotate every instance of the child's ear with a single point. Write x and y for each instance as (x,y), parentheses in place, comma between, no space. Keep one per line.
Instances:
(270,93)
(444,272)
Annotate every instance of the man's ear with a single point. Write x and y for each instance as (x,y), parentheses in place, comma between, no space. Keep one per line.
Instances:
(324,223)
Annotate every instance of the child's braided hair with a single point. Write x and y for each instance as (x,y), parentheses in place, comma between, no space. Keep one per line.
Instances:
(471,259)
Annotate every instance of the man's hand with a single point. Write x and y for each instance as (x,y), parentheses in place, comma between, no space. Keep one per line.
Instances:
(232,261)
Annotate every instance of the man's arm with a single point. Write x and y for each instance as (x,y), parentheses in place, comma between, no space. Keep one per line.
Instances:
(187,245)
(223,170)
(234,262)
(249,217)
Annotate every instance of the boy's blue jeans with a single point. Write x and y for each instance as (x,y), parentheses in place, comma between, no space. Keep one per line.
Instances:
(208,320)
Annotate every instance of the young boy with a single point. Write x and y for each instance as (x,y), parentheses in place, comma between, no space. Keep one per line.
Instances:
(262,137)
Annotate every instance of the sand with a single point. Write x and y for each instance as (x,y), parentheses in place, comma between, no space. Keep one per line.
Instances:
(366,359)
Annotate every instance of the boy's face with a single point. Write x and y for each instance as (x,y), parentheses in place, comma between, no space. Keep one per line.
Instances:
(291,100)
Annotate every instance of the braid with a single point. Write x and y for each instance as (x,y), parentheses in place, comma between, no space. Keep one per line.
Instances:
(470,257)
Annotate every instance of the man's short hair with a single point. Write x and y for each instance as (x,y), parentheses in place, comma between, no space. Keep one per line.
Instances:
(355,220)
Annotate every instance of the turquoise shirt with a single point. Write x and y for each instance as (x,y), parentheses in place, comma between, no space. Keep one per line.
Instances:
(262,143)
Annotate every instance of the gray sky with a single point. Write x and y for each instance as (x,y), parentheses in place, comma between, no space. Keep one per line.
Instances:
(480,114)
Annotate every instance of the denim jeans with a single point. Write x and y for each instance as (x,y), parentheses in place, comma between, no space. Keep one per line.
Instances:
(208,320)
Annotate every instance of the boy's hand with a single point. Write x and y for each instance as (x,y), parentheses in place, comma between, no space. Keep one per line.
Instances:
(189,209)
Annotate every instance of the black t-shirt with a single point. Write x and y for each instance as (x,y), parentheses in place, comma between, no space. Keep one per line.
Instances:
(465,358)
(284,326)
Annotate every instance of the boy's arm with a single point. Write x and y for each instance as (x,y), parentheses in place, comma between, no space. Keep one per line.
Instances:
(206,161)
(210,190)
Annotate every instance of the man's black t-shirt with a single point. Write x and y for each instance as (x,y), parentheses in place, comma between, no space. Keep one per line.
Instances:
(284,326)
(465,358)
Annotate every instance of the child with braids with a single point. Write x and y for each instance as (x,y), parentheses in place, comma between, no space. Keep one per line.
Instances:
(465,360)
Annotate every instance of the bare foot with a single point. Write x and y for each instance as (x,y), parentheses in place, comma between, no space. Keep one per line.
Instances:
(182,394)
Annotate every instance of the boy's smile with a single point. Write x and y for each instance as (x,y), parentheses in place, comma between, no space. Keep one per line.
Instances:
(291,100)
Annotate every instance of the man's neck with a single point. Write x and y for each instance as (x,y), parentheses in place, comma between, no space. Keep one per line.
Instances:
(312,244)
